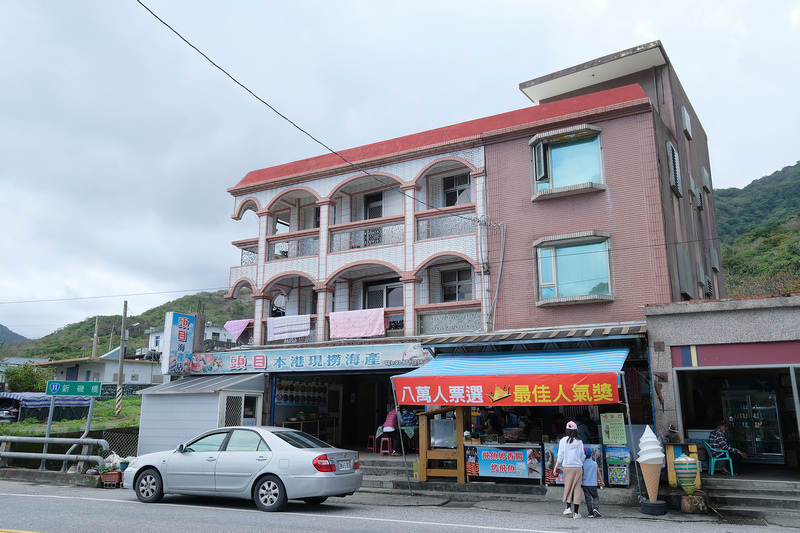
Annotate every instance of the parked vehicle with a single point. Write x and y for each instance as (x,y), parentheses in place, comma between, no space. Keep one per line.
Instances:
(9,410)
(268,464)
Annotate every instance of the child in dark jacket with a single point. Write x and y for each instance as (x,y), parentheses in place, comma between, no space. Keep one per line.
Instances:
(589,485)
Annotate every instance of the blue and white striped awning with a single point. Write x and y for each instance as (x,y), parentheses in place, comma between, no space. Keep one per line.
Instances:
(35,400)
(542,362)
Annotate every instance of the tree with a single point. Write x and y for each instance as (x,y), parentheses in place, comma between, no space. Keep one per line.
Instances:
(28,378)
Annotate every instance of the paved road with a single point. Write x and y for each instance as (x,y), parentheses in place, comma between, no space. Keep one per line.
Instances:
(52,508)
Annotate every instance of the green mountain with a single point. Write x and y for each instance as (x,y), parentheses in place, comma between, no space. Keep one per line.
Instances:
(7,336)
(75,340)
(764,202)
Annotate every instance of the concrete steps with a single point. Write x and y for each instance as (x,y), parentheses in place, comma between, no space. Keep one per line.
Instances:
(757,498)
(388,475)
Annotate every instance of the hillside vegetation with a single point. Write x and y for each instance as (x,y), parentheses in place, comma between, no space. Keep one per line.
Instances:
(75,340)
(763,203)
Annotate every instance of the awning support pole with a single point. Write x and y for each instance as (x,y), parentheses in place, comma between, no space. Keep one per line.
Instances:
(400,429)
(630,434)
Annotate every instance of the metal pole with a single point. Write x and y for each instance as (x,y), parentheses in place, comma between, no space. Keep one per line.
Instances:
(121,358)
(630,436)
(47,431)
(400,429)
(94,339)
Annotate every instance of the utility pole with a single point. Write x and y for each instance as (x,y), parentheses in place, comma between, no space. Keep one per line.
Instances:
(94,340)
(121,358)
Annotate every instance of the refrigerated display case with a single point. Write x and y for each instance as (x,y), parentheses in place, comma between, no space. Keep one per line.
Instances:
(754,425)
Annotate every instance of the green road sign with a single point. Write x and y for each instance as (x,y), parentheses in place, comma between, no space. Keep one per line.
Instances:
(73,388)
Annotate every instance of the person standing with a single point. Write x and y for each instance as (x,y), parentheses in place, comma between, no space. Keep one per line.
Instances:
(570,457)
(719,441)
(589,485)
(391,429)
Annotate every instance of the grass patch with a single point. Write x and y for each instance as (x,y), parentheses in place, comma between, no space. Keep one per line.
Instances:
(103,417)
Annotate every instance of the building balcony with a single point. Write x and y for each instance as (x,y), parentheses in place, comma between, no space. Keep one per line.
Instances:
(294,245)
(446,222)
(455,317)
(367,233)
(311,337)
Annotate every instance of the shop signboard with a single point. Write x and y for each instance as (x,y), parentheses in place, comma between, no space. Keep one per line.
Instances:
(613,427)
(322,359)
(618,459)
(508,390)
(178,342)
(521,463)
(551,454)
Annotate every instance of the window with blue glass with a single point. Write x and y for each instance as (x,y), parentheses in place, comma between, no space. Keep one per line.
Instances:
(573,270)
(566,158)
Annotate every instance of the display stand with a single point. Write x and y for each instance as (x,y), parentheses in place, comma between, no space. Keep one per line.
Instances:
(673,452)
(428,453)
(322,428)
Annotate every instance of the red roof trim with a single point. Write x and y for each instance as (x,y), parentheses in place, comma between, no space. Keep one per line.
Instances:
(449,134)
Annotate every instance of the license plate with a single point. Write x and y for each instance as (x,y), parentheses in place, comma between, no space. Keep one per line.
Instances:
(347,464)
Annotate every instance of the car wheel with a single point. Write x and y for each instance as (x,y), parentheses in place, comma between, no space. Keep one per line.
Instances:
(315,501)
(148,486)
(270,494)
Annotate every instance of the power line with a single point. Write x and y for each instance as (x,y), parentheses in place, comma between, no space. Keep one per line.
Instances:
(303,131)
(112,296)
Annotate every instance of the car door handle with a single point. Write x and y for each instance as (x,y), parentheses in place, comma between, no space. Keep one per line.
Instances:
(262,458)
(212,458)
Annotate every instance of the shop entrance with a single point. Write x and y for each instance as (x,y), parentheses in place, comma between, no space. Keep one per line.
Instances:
(759,404)
(365,398)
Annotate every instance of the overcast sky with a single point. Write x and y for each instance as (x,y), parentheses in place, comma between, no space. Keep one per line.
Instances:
(118,141)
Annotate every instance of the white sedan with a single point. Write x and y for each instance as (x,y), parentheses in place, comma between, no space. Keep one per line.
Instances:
(268,464)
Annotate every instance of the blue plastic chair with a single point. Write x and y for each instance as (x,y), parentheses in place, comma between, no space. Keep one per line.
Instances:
(712,459)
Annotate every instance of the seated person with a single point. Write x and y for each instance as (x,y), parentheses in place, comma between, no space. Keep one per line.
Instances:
(719,441)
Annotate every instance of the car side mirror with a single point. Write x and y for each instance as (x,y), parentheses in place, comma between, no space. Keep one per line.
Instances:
(180,449)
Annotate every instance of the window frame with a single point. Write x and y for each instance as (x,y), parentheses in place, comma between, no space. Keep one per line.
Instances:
(457,283)
(544,184)
(550,245)
(456,188)
(384,287)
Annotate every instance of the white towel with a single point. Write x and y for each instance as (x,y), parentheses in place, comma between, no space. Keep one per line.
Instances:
(288,327)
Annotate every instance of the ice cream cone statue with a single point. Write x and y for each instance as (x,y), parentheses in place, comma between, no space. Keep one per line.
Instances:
(650,460)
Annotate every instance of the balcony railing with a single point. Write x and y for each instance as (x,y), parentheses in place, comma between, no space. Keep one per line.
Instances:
(298,246)
(462,319)
(363,235)
(456,222)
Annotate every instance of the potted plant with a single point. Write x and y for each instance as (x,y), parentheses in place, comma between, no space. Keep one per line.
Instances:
(107,475)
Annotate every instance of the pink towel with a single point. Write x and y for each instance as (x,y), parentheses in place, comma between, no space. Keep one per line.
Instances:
(355,324)
(288,327)
(236,327)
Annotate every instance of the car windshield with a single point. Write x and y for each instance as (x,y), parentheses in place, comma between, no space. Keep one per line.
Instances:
(298,439)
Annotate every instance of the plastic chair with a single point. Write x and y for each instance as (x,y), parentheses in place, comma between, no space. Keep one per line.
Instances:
(386,446)
(712,460)
(371,443)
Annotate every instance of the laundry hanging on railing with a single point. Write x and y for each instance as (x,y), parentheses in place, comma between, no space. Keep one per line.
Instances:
(355,324)
(288,327)
(236,327)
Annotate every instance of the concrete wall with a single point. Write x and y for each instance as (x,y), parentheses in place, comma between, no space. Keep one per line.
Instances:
(714,322)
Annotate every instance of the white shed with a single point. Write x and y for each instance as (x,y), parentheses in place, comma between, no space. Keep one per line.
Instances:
(175,412)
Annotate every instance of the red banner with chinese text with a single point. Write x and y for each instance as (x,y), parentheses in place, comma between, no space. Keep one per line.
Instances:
(509,390)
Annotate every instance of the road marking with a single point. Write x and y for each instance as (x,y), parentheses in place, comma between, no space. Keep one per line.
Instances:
(287,513)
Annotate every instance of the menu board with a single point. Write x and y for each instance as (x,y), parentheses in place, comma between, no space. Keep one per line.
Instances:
(613,429)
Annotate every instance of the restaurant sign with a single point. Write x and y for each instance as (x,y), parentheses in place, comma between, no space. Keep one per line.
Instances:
(508,390)
(323,359)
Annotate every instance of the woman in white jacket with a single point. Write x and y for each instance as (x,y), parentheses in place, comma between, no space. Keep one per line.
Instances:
(570,457)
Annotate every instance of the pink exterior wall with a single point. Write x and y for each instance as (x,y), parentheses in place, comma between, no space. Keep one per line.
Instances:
(630,209)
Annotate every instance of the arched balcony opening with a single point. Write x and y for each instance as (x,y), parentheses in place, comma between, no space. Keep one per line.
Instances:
(448,299)
(371,286)
(293,226)
(367,211)
(290,310)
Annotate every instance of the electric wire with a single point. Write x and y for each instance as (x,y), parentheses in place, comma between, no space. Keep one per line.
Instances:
(298,127)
